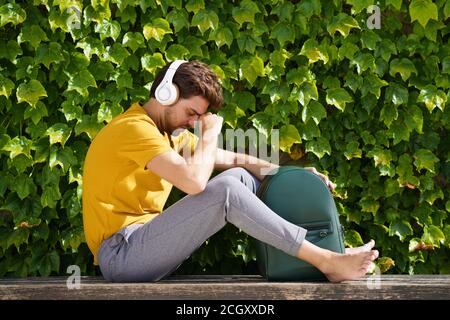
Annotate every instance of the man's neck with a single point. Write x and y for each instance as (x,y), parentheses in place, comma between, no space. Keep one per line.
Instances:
(156,113)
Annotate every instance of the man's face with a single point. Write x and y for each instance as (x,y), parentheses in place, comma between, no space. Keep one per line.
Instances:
(184,113)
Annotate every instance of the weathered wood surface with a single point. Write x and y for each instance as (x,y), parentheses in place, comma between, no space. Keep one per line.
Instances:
(388,287)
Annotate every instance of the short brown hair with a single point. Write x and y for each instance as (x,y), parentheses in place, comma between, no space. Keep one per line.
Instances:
(194,78)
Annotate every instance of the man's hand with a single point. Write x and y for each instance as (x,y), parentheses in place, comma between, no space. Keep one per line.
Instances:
(211,124)
(325,179)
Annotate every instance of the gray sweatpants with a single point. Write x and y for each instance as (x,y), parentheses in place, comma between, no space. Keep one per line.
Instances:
(151,251)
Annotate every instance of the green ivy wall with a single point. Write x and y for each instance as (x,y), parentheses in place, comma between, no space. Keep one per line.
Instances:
(366,106)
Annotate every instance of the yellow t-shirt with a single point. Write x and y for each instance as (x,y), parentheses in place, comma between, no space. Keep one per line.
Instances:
(117,188)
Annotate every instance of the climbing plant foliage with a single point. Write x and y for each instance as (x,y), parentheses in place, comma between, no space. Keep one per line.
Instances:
(366,103)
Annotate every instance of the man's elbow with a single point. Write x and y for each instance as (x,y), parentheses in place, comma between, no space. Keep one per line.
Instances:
(195,187)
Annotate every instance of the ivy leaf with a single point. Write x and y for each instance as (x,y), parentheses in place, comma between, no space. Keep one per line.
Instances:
(422,11)
(251,68)
(388,114)
(59,132)
(248,42)
(152,62)
(299,75)
(363,61)
(353,239)
(405,172)
(71,111)
(32,34)
(359,5)
(24,186)
(380,156)
(6,86)
(319,147)
(263,123)
(72,238)
(245,12)
(30,92)
(288,136)
(276,91)
(177,52)
(315,111)
(157,29)
(284,32)
(399,132)
(179,19)
(347,50)
(18,145)
(91,46)
(101,70)
(352,150)
(195,5)
(338,97)
(401,229)
(205,19)
(194,45)
(62,157)
(10,50)
(89,125)
(432,97)
(425,159)
(13,13)
(433,235)
(372,84)
(222,36)
(17,237)
(413,118)
(116,53)
(314,52)
(385,49)
(309,130)
(397,94)
(284,11)
(36,113)
(342,23)
(48,54)
(133,40)
(244,100)
(447,9)
(107,111)
(305,93)
(369,205)
(397,4)
(123,79)
(108,29)
(81,81)
(404,66)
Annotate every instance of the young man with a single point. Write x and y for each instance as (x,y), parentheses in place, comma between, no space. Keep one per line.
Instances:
(135,160)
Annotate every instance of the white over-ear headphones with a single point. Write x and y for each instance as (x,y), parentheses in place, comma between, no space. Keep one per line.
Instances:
(167,93)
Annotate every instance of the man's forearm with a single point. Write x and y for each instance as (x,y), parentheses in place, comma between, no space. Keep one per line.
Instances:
(202,161)
(258,167)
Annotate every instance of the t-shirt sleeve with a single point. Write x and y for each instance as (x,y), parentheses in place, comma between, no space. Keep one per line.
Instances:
(143,142)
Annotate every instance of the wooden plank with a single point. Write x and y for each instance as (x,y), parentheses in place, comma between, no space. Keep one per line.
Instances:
(229,287)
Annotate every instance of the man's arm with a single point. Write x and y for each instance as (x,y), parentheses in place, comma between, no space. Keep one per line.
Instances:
(191,175)
(258,167)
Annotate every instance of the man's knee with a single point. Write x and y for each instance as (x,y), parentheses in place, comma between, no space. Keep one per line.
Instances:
(223,183)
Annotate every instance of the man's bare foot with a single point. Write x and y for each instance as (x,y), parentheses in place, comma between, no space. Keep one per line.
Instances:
(348,266)
(364,248)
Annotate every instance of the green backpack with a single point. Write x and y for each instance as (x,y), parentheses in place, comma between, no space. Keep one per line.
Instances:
(302,198)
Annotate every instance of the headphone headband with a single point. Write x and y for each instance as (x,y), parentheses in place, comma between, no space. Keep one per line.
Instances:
(168,77)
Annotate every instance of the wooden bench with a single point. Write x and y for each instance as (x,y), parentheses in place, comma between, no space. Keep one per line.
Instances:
(388,287)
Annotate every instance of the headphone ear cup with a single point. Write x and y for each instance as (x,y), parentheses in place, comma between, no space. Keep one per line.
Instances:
(167,94)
